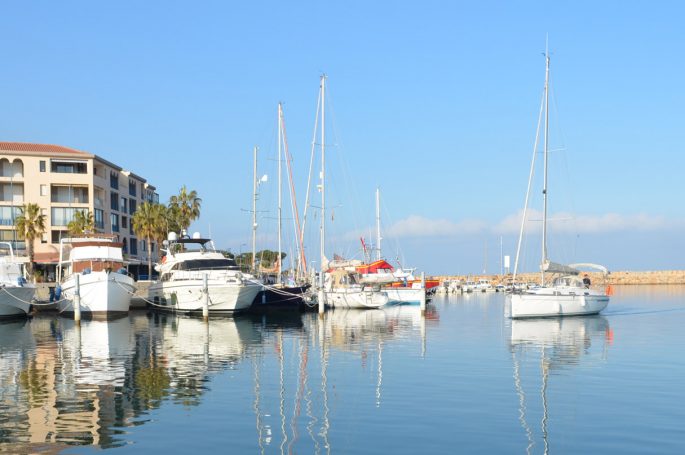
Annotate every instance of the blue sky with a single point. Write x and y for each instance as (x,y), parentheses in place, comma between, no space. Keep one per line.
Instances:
(435,102)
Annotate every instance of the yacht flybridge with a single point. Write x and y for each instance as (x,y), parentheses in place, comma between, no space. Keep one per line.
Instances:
(191,270)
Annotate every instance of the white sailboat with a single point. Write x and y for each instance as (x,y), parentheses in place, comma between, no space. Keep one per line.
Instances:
(15,291)
(94,275)
(566,295)
(340,289)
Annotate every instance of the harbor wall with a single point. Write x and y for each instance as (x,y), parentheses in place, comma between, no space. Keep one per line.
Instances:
(614,278)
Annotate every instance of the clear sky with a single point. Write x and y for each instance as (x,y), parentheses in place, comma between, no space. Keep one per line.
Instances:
(434,102)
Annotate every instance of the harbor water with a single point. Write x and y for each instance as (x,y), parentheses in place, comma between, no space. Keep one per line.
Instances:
(462,378)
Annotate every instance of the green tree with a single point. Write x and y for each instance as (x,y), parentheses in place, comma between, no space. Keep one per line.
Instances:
(149,222)
(185,207)
(82,223)
(30,225)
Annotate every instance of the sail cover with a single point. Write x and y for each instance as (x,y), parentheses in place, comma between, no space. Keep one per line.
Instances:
(553,267)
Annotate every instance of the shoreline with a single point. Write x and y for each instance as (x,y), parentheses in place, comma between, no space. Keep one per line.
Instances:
(614,278)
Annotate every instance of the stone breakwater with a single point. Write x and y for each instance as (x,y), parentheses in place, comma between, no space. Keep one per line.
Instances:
(614,278)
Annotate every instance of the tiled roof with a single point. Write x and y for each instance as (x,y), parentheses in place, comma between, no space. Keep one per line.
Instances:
(40,149)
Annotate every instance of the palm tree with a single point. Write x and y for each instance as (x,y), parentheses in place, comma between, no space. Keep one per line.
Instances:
(82,223)
(185,206)
(30,225)
(149,222)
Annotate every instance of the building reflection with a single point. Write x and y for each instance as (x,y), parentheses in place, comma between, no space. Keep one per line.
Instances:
(65,384)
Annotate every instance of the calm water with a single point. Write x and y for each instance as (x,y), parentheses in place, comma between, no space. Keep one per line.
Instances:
(464,379)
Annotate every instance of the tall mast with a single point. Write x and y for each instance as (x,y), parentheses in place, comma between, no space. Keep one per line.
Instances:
(280,197)
(378,224)
(544,180)
(254,210)
(323,176)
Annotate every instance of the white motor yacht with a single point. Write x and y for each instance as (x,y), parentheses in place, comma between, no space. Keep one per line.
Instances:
(189,265)
(94,270)
(15,292)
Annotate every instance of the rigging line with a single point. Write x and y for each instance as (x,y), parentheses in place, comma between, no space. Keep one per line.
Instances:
(293,198)
(530,181)
(350,187)
(311,168)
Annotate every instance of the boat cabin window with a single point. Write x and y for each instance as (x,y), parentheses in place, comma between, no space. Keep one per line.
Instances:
(568,281)
(207,264)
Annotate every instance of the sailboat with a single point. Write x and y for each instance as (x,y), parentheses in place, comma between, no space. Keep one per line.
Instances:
(567,294)
(277,295)
(340,288)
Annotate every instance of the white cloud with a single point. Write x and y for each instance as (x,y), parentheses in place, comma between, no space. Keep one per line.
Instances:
(587,224)
(419,226)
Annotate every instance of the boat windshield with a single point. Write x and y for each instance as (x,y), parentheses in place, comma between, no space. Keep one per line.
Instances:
(207,264)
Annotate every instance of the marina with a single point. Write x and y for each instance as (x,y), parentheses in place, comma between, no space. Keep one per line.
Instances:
(462,375)
(342,227)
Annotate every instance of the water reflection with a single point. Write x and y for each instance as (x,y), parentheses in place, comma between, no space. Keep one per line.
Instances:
(65,384)
(549,346)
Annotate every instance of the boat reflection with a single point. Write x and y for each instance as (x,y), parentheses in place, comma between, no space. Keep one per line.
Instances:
(291,401)
(551,345)
(66,384)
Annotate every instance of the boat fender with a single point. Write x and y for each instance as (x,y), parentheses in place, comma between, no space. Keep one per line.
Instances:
(58,292)
(86,271)
(123,271)
(21,281)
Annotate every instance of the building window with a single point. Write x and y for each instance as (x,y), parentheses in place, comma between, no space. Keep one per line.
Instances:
(67,194)
(114,222)
(42,166)
(122,206)
(114,201)
(99,218)
(132,207)
(8,215)
(44,190)
(124,222)
(124,248)
(114,180)
(134,246)
(61,216)
(132,188)
(44,238)
(56,236)
(68,167)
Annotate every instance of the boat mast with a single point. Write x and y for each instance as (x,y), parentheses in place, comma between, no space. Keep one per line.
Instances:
(254,210)
(378,224)
(544,179)
(323,178)
(280,197)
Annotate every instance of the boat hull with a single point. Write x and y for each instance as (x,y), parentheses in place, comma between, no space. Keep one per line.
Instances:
(103,294)
(281,298)
(405,295)
(352,298)
(188,296)
(14,300)
(531,305)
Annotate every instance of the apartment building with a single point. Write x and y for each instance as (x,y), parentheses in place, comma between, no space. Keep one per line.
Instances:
(63,181)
